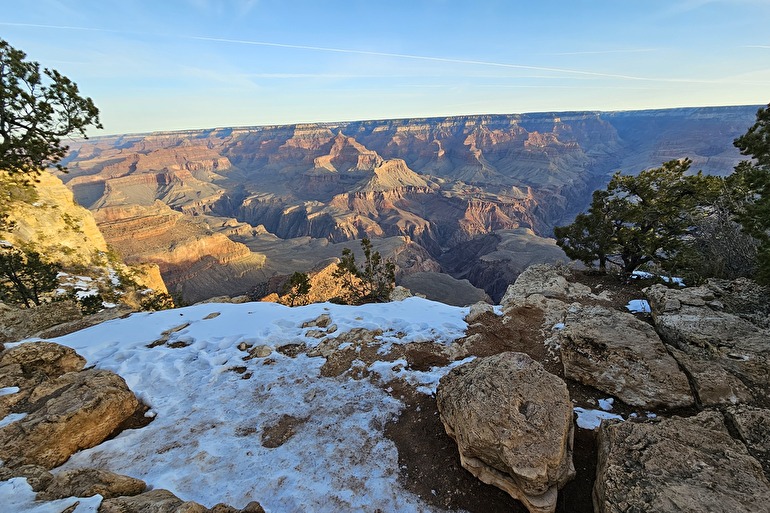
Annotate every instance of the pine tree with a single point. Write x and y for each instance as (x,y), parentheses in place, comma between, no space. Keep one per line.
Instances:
(24,276)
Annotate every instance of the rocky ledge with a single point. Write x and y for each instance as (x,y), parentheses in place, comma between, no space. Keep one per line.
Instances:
(686,380)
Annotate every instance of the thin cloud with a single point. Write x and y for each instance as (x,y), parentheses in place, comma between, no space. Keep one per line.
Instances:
(451,60)
(765,47)
(421,58)
(59,27)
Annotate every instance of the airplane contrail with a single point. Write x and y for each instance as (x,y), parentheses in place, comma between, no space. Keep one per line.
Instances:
(374,53)
(418,57)
(61,27)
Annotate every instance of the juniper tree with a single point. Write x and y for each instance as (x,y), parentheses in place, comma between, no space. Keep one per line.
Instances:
(37,109)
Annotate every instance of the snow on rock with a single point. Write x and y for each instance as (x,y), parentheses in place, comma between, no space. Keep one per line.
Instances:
(313,443)
(591,419)
(8,390)
(638,306)
(606,404)
(11,418)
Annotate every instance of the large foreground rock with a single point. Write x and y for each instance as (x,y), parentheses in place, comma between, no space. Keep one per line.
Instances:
(75,411)
(548,281)
(512,421)
(623,356)
(677,465)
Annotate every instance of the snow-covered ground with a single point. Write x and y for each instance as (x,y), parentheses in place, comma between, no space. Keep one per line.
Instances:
(205,443)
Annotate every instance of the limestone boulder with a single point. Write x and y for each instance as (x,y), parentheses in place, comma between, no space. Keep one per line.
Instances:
(81,414)
(512,422)
(25,366)
(478,310)
(623,356)
(693,316)
(677,465)
(163,501)
(753,427)
(87,482)
(712,384)
(37,477)
(744,298)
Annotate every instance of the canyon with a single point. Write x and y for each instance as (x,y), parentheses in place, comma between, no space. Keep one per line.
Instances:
(224,211)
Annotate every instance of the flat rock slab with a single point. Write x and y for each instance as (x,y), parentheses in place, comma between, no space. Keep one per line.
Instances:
(87,482)
(677,465)
(623,356)
(512,422)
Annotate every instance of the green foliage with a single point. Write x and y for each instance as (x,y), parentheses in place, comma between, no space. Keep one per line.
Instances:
(155,301)
(37,109)
(589,237)
(24,276)
(297,288)
(91,304)
(750,186)
(647,218)
(370,283)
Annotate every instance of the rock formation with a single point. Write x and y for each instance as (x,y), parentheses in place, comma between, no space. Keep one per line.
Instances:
(512,422)
(71,412)
(43,218)
(677,464)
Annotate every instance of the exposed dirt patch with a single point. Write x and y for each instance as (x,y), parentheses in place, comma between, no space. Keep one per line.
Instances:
(422,356)
(277,434)
(618,290)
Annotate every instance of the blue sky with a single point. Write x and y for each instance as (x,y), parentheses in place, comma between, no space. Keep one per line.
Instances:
(180,64)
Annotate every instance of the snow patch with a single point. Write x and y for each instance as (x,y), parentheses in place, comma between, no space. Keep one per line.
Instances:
(11,418)
(638,306)
(9,390)
(606,404)
(591,419)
